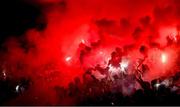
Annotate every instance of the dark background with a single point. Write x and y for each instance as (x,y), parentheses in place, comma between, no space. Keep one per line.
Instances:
(16,16)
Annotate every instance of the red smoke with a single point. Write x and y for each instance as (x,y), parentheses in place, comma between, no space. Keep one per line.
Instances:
(53,57)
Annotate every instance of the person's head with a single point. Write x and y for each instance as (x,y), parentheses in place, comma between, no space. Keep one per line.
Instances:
(147,85)
(77,80)
(145,68)
(143,49)
(70,85)
(113,54)
(97,66)
(153,83)
(161,89)
(118,50)
(115,77)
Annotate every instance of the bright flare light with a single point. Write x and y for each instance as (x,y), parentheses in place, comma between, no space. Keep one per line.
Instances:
(157,85)
(83,41)
(163,58)
(124,65)
(68,59)
(113,69)
(121,69)
(17,88)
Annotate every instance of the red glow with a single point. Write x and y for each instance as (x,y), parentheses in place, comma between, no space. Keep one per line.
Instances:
(86,33)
